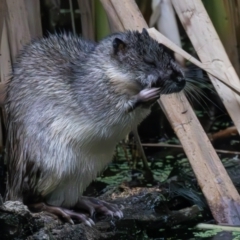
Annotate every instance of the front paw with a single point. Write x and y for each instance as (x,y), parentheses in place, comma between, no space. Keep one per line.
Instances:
(144,98)
(148,95)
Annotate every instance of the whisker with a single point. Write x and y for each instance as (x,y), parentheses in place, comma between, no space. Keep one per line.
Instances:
(196,96)
(201,84)
(190,87)
(188,95)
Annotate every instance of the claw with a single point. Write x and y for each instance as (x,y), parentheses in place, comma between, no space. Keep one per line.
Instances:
(71,221)
(66,214)
(89,222)
(93,205)
(147,95)
(110,213)
(119,214)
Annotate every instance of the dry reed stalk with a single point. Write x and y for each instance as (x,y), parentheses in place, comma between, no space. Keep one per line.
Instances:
(210,50)
(216,185)
(14,31)
(17,26)
(229,37)
(116,25)
(14,34)
(235,7)
(2,15)
(86,8)
(5,61)
(223,14)
(163,12)
(4,48)
(34,17)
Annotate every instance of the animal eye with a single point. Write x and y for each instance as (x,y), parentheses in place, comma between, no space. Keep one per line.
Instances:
(149,61)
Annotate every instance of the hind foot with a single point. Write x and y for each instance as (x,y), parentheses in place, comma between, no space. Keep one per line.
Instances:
(94,206)
(66,214)
(91,205)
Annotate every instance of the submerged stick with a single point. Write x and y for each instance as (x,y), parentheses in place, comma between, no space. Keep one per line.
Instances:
(218,227)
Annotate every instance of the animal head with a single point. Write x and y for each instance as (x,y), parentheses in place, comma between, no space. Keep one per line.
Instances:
(145,61)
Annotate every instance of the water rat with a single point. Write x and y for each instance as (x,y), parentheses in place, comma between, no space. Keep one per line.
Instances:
(69,102)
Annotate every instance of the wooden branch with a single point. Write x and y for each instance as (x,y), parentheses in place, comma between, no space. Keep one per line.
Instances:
(180,146)
(14,35)
(116,23)
(216,185)
(12,40)
(129,15)
(228,132)
(141,151)
(5,62)
(17,26)
(210,50)
(2,16)
(3,86)
(226,21)
(34,17)
(86,8)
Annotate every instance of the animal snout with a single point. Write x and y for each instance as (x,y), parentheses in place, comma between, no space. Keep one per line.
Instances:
(178,78)
(181,82)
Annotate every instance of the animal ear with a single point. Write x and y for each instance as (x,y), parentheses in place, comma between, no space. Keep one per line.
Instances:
(145,32)
(118,45)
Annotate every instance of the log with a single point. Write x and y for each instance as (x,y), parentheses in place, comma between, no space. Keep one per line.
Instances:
(216,185)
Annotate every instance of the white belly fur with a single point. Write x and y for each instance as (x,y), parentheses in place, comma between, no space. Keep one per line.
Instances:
(95,152)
